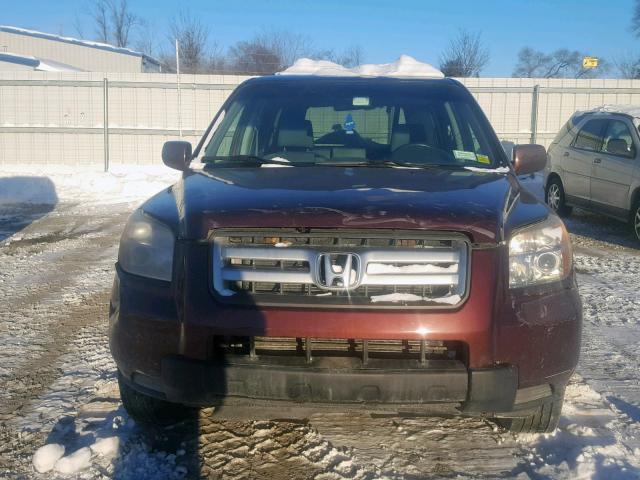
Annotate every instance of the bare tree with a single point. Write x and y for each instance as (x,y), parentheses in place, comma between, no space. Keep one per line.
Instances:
(635,19)
(562,63)
(147,39)
(531,63)
(217,61)
(100,14)
(287,46)
(268,52)
(465,56)
(628,66)
(192,38)
(114,21)
(123,20)
(352,56)
(252,57)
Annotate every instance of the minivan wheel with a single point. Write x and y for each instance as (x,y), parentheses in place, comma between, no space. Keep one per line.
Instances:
(555,197)
(635,220)
(545,420)
(149,410)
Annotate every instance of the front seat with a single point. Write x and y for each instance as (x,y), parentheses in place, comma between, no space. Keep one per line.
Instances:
(617,146)
(407,133)
(295,140)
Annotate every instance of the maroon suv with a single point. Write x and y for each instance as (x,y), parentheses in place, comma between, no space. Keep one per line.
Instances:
(347,242)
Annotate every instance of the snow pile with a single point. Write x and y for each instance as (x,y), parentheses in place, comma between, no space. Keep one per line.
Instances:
(107,447)
(46,457)
(410,297)
(42,184)
(588,443)
(383,268)
(74,463)
(404,67)
(488,170)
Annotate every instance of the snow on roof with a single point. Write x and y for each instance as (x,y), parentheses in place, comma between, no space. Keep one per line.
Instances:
(19,59)
(404,67)
(631,110)
(37,63)
(76,41)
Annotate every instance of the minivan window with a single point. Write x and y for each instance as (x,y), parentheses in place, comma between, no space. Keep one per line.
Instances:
(618,139)
(590,136)
(362,123)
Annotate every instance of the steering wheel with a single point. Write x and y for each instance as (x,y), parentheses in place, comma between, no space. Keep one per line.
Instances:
(415,153)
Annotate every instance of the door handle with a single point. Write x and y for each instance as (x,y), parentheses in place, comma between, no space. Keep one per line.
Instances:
(597,160)
(565,154)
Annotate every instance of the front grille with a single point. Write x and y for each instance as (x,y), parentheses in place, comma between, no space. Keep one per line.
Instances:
(384,269)
(308,350)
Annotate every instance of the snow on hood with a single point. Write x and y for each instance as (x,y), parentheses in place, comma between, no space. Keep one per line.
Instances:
(404,67)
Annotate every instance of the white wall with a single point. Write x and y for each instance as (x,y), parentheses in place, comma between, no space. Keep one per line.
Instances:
(58,118)
(79,56)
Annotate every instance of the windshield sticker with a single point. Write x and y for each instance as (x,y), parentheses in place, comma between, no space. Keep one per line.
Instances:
(349,124)
(462,155)
(361,101)
(483,159)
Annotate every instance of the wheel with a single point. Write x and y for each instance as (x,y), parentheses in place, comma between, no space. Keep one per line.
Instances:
(149,410)
(555,197)
(635,220)
(545,420)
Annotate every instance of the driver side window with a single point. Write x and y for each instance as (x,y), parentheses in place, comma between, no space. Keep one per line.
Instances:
(618,140)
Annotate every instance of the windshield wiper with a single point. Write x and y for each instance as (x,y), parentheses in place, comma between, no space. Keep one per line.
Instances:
(244,160)
(435,166)
(346,163)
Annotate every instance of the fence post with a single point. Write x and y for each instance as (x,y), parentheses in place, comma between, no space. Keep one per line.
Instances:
(534,113)
(105,96)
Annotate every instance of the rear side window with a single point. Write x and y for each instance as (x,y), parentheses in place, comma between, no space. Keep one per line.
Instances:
(590,136)
(618,140)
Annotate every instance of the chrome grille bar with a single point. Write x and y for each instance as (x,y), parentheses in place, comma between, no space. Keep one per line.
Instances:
(419,269)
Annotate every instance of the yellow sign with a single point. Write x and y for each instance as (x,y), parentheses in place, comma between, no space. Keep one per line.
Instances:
(589,62)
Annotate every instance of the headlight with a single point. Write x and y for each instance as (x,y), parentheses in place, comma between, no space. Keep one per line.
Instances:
(146,247)
(540,253)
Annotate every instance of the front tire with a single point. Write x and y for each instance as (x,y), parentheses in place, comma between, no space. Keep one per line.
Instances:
(555,197)
(634,221)
(149,410)
(545,420)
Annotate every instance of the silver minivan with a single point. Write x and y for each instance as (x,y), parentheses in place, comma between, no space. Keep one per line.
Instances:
(594,164)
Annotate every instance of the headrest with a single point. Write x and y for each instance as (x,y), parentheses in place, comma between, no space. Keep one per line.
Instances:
(617,146)
(400,136)
(298,138)
(309,126)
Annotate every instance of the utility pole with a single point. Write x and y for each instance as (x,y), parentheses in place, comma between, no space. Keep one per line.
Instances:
(179,91)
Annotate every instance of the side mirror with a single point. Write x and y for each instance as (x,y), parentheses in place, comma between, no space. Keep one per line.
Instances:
(176,154)
(529,158)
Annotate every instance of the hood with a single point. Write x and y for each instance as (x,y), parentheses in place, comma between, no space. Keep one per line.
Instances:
(338,197)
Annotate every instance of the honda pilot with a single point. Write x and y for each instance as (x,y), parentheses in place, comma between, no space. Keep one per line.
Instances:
(350,243)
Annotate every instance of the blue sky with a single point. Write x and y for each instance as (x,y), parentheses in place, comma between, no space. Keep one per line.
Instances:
(385,29)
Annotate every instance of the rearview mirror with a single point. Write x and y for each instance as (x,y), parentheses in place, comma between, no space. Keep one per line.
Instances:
(176,154)
(529,158)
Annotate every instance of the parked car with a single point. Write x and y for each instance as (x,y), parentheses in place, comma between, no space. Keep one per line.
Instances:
(593,164)
(351,243)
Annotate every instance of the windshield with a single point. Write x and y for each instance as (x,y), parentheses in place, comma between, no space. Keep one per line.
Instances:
(366,123)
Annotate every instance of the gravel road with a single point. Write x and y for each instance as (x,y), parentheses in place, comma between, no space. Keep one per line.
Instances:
(57,381)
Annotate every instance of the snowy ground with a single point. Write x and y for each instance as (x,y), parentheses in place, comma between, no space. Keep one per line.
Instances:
(57,382)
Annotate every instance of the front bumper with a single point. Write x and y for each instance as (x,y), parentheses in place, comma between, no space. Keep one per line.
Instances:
(211,383)
(521,346)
